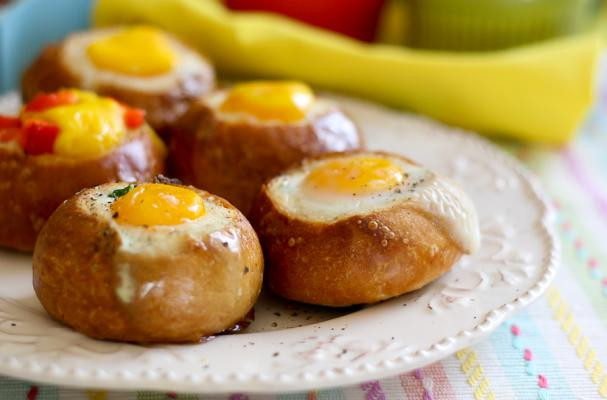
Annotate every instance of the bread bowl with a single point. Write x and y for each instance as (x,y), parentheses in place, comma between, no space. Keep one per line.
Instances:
(232,140)
(339,230)
(147,263)
(141,66)
(60,143)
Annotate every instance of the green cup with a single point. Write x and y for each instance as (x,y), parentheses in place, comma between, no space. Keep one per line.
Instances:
(475,25)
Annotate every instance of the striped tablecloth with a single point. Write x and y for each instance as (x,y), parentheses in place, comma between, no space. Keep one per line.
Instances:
(555,349)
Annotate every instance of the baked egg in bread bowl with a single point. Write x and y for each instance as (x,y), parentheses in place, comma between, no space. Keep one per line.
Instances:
(233,140)
(147,263)
(141,66)
(358,228)
(60,143)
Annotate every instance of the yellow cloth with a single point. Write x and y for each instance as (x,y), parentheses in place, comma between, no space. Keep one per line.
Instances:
(536,93)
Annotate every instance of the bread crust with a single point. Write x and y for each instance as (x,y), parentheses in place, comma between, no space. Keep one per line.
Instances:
(354,260)
(233,159)
(203,289)
(32,187)
(48,73)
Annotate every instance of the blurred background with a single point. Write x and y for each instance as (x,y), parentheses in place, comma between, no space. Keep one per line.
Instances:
(523,69)
(453,25)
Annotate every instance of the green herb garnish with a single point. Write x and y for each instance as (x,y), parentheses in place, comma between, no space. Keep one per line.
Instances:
(121,192)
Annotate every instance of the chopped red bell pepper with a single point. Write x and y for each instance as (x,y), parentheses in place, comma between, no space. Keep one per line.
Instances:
(133,117)
(44,101)
(10,134)
(40,136)
(10,129)
(9,122)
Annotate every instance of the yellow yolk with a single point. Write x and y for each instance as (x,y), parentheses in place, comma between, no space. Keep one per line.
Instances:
(281,101)
(158,204)
(88,128)
(354,175)
(139,51)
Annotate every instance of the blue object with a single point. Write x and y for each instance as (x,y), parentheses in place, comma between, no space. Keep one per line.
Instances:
(27,26)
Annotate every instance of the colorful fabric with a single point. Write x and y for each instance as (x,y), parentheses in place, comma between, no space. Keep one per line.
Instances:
(555,349)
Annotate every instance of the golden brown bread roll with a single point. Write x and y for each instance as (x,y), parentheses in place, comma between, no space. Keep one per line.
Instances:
(359,228)
(140,66)
(147,263)
(52,151)
(231,150)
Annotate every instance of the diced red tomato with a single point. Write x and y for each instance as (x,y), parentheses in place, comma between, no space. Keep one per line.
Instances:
(10,129)
(44,101)
(133,117)
(9,122)
(9,134)
(40,136)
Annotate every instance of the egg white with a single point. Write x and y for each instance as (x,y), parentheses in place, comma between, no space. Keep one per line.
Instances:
(319,107)
(218,223)
(74,57)
(422,187)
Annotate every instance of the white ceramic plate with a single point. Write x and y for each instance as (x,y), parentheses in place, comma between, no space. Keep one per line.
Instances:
(294,347)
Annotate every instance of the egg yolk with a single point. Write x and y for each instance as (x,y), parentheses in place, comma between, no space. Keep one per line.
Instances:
(354,176)
(89,126)
(280,101)
(158,204)
(139,51)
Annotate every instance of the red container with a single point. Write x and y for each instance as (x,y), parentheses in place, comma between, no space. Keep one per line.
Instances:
(355,18)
